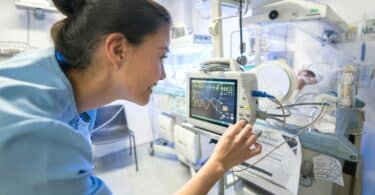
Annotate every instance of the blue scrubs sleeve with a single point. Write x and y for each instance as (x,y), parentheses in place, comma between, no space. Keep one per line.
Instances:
(44,157)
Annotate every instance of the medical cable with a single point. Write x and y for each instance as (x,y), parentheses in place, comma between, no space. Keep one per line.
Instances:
(288,114)
(325,105)
(300,97)
(277,101)
(264,115)
(305,104)
(214,67)
(242,60)
(260,114)
(241,33)
(277,119)
(301,130)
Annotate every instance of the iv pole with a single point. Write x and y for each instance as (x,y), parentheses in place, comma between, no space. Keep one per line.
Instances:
(216,29)
(216,32)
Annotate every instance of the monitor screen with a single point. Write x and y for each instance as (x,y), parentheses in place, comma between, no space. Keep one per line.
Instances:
(213,100)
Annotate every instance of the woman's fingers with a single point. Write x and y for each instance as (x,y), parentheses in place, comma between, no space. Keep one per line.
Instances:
(256,150)
(245,133)
(251,140)
(233,130)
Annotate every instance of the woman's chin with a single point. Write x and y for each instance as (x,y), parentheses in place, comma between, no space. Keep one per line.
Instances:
(142,100)
(142,103)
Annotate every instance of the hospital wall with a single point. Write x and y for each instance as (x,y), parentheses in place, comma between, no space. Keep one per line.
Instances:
(14,29)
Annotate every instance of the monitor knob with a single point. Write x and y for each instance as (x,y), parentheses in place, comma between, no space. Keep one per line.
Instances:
(273,14)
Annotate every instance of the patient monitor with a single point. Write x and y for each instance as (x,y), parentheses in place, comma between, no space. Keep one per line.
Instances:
(217,99)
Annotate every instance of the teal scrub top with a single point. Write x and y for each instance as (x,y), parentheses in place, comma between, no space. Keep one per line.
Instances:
(45,146)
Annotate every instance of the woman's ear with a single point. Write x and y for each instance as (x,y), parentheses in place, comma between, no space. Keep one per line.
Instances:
(116,46)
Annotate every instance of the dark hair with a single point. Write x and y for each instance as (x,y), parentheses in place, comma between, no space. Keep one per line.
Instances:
(77,36)
(311,73)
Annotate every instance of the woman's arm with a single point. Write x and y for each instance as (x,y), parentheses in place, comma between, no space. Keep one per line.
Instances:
(232,149)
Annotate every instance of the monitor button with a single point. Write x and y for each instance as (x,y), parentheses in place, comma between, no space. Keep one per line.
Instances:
(247,121)
(247,107)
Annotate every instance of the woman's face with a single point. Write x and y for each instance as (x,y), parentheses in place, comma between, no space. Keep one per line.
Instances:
(144,67)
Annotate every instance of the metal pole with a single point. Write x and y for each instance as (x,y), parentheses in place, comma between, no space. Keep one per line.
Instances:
(217,43)
(216,29)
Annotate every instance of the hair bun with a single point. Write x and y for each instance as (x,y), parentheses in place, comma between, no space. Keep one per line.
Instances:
(69,7)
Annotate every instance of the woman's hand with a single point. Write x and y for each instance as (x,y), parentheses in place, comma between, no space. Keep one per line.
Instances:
(232,149)
(234,146)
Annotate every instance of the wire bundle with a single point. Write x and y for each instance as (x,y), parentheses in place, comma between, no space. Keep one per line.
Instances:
(264,115)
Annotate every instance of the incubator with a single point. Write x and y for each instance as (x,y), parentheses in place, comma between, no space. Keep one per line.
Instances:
(310,113)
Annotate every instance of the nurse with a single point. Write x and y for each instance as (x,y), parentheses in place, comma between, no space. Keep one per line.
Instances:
(104,50)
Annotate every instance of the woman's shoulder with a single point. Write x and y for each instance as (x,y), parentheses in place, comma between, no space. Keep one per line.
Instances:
(36,66)
(34,84)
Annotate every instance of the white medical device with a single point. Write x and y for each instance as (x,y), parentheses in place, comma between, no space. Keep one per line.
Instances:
(276,78)
(217,99)
(166,125)
(295,10)
(187,145)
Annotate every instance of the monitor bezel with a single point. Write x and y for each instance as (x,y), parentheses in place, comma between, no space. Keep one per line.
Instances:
(203,123)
